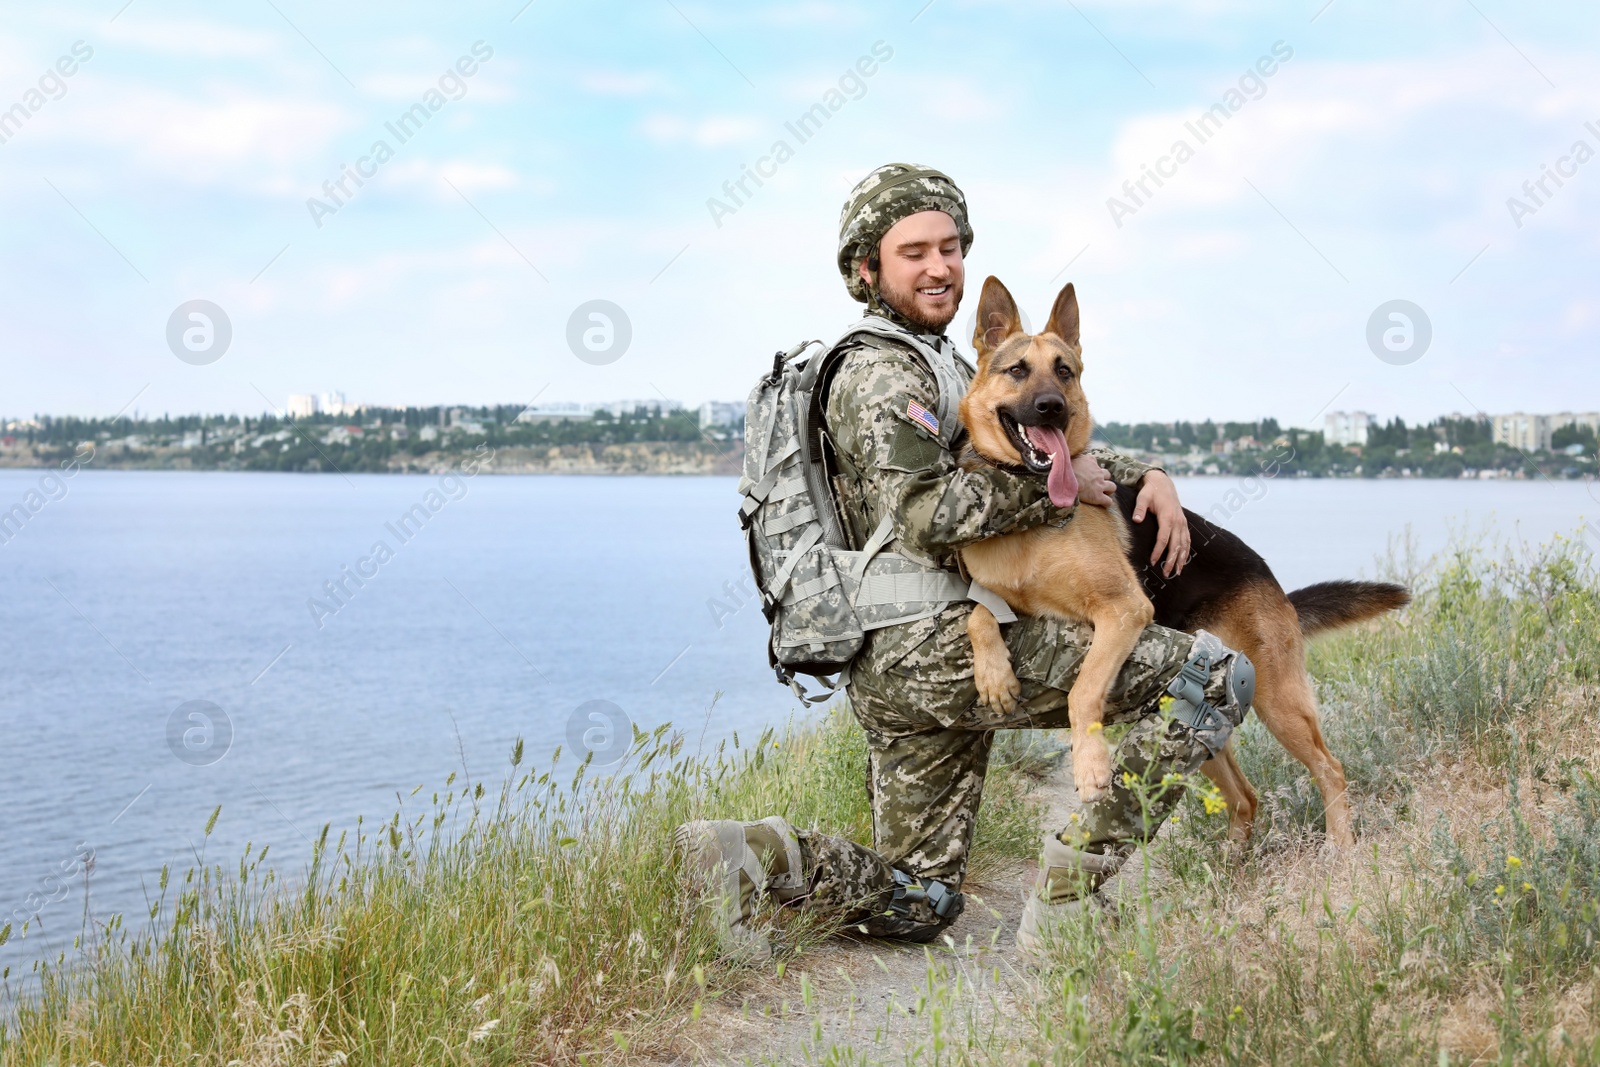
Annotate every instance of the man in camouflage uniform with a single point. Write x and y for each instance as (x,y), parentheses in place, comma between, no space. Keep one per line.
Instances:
(903,234)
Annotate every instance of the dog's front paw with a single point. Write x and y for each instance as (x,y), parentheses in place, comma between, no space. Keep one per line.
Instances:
(998,688)
(1091,764)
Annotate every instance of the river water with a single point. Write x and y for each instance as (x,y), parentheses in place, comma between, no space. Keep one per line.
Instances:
(171,643)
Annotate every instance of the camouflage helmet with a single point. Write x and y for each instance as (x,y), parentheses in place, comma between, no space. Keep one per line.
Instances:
(883,198)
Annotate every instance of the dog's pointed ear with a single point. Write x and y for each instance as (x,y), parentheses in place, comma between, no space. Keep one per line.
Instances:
(998,318)
(1064,316)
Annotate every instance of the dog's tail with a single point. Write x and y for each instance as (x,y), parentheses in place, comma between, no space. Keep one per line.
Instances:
(1329,605)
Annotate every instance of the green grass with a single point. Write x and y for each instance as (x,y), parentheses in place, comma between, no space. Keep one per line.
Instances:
(1462,930)
(541,921)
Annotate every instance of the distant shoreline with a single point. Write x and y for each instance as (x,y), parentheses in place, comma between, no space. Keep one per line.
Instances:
(657,459)
(665,458)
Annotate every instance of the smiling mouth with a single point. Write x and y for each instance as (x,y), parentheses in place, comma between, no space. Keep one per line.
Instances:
(1034,458)
(935,291)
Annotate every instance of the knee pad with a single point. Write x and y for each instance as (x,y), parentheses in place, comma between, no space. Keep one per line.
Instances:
(943,902)
(919,911)
(1213,690)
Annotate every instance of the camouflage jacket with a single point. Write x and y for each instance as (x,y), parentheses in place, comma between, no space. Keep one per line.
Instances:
(890,463)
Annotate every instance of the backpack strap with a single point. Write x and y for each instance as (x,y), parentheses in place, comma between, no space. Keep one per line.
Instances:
(830,687)
(940,362)
(880,537)
(881,587)
(936,584)
(756,494)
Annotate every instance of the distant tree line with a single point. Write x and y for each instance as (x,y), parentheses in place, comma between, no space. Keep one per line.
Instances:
(1443,448)
(324,442)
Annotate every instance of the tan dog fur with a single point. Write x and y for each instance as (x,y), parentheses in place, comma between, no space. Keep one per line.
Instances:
(1081,571)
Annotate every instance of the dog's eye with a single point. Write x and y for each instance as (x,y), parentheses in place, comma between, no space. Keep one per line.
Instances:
(1019,372)
(1064,372)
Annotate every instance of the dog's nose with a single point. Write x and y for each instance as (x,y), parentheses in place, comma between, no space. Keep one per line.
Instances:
(1050,405)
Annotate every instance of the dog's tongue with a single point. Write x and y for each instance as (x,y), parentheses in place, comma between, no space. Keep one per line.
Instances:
(1062,480)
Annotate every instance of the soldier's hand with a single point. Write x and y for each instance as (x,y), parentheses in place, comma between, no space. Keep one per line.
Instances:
(1094,484)
(1159,496)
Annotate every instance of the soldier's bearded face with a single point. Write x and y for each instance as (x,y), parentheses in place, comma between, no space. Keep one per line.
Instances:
(921,272)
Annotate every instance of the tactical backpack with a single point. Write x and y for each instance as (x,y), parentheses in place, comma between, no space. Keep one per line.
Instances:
(820,593)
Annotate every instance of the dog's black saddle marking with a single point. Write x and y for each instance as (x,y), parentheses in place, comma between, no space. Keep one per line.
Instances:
(1220,564)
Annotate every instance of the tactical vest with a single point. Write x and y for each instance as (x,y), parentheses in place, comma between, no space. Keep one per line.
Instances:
(820,593)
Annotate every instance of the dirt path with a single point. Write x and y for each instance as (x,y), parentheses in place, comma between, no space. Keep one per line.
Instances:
(872,996)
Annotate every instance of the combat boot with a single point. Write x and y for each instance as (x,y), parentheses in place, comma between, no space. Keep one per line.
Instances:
(1068,885)
(732,866)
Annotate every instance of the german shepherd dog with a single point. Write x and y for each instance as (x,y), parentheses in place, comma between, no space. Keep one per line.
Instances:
(1026,412)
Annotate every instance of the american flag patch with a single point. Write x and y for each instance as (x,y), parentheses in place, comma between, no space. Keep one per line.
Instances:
(923,415)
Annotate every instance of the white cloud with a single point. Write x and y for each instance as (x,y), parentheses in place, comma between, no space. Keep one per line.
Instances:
(624,83)
(1349,130)
(815,13)
(430,175)
(191,37)
(410,87)
(1578,316)
(1396,168)
(224,136)
(711,132)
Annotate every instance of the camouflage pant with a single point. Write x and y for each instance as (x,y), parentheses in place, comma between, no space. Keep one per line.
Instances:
(929,743)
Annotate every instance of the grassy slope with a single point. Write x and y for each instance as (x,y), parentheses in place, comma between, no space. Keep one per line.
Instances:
(540,922)
(1461,930)
(536,924)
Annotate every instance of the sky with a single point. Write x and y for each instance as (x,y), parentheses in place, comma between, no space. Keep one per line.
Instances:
(186,155)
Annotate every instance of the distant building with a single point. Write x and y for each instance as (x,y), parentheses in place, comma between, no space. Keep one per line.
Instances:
(589,409)
(1348,427)
(546,412)
(1590,419)
(1531,433)
(341,434)
(619,408)
(715,413)
(303,405)
(334,404)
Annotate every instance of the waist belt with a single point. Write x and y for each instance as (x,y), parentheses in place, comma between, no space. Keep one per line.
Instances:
(889,588)
(916,586)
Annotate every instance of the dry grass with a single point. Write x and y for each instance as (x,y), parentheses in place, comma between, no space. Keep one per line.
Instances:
(538,925)
(1462,928)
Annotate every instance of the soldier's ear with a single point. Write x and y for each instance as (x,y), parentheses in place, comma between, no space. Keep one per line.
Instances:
(1064,316)
(869,265)
(998,318)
